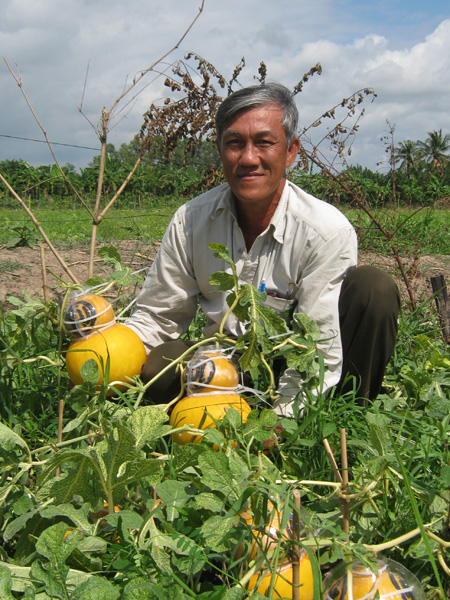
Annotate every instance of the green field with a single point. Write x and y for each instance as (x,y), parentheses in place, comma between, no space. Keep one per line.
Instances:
(98,500)
(71,228)
(424,230)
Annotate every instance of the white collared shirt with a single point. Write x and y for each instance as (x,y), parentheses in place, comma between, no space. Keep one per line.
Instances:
(308,246)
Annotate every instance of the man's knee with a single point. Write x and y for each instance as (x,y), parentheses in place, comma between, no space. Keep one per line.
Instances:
(368,287)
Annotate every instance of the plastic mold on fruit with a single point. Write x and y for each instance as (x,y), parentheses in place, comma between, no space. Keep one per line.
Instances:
(210,369)
(86,314)
(392,582)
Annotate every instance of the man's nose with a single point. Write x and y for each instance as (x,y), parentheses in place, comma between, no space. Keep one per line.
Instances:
(249,154)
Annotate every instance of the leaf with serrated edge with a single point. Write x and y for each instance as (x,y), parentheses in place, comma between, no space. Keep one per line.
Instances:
(147,424)
(78,516)
(54,550)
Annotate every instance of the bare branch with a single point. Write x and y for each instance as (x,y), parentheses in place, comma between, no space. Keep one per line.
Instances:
(151,67)
(80,108)
(49,144)
(41,231)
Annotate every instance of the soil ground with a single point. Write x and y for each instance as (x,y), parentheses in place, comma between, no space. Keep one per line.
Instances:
(21,269)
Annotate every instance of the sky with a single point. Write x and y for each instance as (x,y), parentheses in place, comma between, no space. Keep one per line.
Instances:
(83,53)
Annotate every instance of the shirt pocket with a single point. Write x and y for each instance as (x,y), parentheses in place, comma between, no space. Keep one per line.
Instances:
(283,307)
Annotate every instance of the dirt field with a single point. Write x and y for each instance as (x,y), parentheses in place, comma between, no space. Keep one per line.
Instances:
(21,269)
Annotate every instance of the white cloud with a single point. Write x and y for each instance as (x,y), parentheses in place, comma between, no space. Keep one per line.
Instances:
(53,41)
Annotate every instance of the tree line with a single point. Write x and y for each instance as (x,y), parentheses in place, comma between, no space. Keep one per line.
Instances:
(417,174)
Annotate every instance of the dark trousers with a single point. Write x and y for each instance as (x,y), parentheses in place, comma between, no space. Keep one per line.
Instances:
(369,304)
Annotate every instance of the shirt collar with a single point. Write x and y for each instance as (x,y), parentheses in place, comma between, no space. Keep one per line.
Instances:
(278,220)
(224,201)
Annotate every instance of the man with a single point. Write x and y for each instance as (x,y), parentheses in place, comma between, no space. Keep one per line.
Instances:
(303,248)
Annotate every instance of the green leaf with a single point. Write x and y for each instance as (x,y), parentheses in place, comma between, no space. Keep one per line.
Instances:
(123,276)
(89,371)
(379,432)
(51,568)
(139,589)
(224,281)
(74,481)
(126,519)
(22,578)
(175,495)
(9,439)
(16,525)
(445,475)
(5,584)
(147,424)
(110,255)
(221,251)
(307,326)
(215,531)
(79,517)
(139,468)
(226,473)
(96,588)
(209,501)
(165,589)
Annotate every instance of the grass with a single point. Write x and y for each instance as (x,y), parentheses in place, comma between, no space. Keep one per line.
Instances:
(425,229)
(12,265)
(397,446)
(72,228)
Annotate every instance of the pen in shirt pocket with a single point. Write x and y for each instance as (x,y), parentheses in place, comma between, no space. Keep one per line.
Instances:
(290,292)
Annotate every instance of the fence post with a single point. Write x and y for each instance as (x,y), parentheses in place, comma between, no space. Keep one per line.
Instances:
(441,297)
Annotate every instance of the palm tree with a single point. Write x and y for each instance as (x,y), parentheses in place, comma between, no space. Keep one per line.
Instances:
(407,155)
(435,150)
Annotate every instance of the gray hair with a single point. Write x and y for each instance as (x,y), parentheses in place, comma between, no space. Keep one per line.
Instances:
(259,95)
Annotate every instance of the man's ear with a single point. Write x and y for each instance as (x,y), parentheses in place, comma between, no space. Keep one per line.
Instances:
(292,152)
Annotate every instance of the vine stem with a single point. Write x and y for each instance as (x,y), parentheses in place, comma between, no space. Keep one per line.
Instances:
(229,311)
(171,364)
(62,444)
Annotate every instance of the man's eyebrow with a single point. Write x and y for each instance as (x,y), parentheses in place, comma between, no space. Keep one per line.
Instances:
(262,133)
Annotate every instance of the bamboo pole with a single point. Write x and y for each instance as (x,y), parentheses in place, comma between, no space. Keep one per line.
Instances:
(296,549)
(44,273)
(344,465)
(41,231)
(332,461)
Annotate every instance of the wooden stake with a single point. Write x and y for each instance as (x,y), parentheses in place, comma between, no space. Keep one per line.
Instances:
(332,461)
(44,273)
(296,552)
(344,464)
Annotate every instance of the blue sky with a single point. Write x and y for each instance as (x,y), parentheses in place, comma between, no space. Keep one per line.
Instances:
(401,48)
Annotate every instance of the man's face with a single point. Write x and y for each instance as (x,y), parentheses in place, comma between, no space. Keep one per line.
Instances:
(255,156)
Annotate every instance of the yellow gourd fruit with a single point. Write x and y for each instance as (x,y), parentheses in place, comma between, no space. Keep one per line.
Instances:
(282,580)
(209,370)
(124,347)
(266,540)
(201,411)
(392,582)
(87,314)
